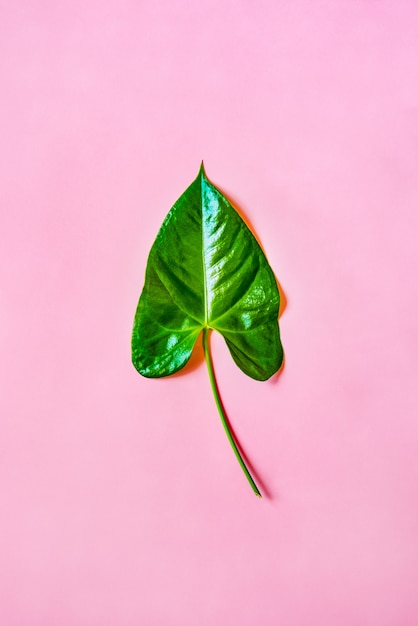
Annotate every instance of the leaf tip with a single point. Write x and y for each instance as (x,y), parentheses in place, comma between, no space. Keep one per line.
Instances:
(202,169)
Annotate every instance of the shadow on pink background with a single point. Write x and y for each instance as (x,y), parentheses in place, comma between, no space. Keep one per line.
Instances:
(121,501)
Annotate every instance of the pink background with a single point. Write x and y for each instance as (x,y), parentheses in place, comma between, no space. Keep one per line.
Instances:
(121,502)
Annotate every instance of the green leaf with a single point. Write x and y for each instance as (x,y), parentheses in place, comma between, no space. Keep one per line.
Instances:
(206,271)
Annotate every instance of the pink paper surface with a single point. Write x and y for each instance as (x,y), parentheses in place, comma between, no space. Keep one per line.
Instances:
(121,502)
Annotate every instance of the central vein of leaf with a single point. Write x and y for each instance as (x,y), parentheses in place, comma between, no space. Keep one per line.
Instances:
(205,282)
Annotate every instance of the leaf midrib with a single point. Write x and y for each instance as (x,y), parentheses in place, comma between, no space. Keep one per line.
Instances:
(205,289)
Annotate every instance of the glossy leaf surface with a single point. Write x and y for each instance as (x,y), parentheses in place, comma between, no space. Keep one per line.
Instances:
(206,270)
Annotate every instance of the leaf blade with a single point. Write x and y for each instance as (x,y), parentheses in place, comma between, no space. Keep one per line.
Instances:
(206,270)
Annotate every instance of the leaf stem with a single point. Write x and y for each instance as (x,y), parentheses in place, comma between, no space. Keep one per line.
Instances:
(224,420)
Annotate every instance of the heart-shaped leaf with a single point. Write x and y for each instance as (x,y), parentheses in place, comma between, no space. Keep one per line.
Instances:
(207,271)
